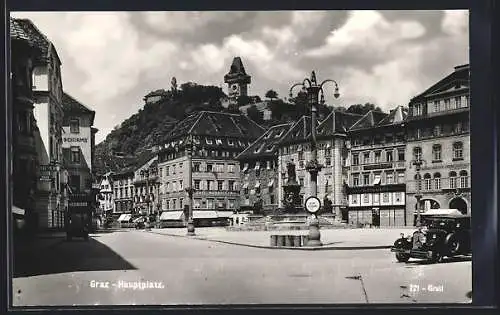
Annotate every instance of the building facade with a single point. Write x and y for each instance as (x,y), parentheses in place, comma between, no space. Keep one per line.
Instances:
(51,196)
(106,200)
(24,156)
(331,153)
(146,185)
(215,139)
(377,169)
(78,148)
(438,137)
(122,191)
(259,172)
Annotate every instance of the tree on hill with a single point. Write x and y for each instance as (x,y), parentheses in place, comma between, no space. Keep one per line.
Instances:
(254,114)
(363,109)
(271,94)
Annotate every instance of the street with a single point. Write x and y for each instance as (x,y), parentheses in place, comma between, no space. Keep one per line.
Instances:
(178,270)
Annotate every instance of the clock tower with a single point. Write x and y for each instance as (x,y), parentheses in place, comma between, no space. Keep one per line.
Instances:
(237,80)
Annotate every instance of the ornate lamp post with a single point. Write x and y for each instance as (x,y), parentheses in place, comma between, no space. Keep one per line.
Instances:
(313,89)
(189,188)
(418,164)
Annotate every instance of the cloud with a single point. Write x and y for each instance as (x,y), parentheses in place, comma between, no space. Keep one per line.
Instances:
(367,32)
(112,59)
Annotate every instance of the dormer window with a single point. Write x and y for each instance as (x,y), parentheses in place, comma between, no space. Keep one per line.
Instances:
(258,149)
(270,148)
(269,134)
(240,143)
(209,141)
(230,142)
(218,141)
(196,140)
(280,133)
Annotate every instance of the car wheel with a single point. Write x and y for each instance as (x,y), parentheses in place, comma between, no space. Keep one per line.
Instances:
(453,245)
(437,257)
(402,257)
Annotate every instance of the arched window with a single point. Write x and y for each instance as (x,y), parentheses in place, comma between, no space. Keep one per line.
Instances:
(417,153)
(427,179)
(464,179)
(453,180)
(458,150)
(437,181)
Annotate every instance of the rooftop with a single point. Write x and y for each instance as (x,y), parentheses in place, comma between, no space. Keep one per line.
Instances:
(217,124)
(267,144)
(369,120)
(459,77)
(70,104)
(37,39)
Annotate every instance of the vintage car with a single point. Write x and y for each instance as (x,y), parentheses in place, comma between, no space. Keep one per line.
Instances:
(443,233)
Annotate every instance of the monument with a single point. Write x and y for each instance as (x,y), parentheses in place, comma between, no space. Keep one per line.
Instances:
(291,190)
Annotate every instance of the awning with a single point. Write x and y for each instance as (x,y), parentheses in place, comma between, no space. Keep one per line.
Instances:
(224,214)
(271,183)
(451,212)
(17,210)
(205,215)
(245,186)
(257,184)
(171,215)
(124,217)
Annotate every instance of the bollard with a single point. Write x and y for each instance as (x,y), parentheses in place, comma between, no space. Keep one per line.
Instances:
(304,239)
(274,240)
(288,240)
(281,240)
(296,241)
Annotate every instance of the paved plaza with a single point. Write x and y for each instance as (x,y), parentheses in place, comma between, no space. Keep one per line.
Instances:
(180,270)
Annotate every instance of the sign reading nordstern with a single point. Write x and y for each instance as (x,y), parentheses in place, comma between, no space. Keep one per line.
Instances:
(84,140)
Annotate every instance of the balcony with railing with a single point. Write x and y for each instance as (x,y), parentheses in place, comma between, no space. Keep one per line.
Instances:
(439,185)
(378,166)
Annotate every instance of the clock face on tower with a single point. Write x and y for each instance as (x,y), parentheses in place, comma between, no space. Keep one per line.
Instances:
(235,88)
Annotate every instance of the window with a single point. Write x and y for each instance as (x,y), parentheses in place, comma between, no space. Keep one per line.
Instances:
(328,152)
(447,104)
(167,171)
(209,167)
(417,110)
(458,151)
(436,106)
(437,130)
(180,185)
(271,199)
(230,168)
(74,126)
(355,159)
(301,155)
(328,161)
(428,182)
(385,197)
(388,156)
(418,182)
(401,177)
(355,180)
(231,185)
(75,183)
(390,179)
(453,180)
(437,181)
(366,198)
(219,167)
(464,179)
(366,179)
(220,185)
(436,152)
(197,184)
(209,185)
(417,153)
(366,158)
(458,101)
(401,154)
(377,156)
(75,155)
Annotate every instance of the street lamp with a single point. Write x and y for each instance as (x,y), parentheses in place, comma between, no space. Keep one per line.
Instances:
(313,90)
(418,164)
(189,188)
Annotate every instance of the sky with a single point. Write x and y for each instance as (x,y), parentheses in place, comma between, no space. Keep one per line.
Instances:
(111,60)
